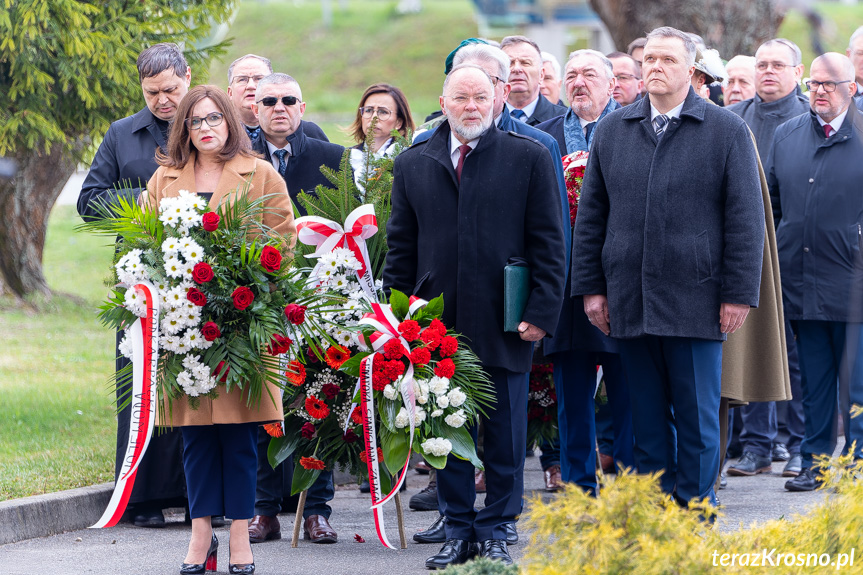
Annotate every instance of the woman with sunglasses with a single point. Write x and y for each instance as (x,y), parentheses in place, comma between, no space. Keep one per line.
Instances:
(390,106)
(209,154)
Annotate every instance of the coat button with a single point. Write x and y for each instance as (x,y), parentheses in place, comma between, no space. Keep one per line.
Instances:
(806,250)
(811,180)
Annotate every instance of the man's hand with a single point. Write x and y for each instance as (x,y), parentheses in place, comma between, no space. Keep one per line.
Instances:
(529,332)
(596,308)
(732,316)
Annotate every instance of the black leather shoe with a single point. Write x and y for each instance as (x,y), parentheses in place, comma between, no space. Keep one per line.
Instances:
(794,466)
(241,569)
(807,480)
(208,565)
(750,464)
(453,552)
(780,452)
(511,534)
(495,549)
(149,518)
(434,534)
(425,500)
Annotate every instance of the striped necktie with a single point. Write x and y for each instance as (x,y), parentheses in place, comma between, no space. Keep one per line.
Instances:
(660,123)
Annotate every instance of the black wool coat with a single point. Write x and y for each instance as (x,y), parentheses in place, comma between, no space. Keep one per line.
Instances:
(455,239)
(545,111)
(669,228)
(304,164)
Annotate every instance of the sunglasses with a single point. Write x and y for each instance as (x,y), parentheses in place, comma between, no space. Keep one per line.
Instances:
(271,101)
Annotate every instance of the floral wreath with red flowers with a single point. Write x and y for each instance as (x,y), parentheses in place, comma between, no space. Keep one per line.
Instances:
(541,405)
(574,165)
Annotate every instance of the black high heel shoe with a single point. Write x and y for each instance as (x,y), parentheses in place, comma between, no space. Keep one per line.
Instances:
(241,569)
(208,565)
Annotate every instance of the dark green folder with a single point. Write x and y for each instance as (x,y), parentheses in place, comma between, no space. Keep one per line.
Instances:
(516,287)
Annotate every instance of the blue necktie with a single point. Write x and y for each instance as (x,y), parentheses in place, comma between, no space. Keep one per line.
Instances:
(588,129)
(660,123)
(283,165)
(519,115)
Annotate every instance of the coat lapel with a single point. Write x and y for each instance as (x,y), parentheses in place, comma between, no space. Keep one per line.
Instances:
(234,175)
(437,149)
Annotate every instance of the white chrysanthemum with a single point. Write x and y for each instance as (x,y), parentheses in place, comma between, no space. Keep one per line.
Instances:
(422,398)
(329,261)
(192,317)
(402,419)
(456,397)
(174,267)
(390,392)
(171,246)
(339,282)
(125,346)
(187,382)
(135,303)
(125,278)
(439,385)
(206,384)
(419,416)
(194,339)
(345,338)
(186,242)
(192,251)
(201,372)
(188,268)
(198,203)
(173,322)
(442,401)
(456,419)
(169,343)
(190,362)
(181,346)
(169,218)
(437,446)
(437,413)
(190,219)
(176,298)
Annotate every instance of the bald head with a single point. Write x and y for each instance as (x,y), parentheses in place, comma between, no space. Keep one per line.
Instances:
(831,85)
(836,63)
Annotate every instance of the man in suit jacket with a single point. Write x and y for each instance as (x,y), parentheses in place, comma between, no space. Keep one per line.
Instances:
(458,216)
(124,162)
(279,109)
(525,103)
(669,265)
(579,347)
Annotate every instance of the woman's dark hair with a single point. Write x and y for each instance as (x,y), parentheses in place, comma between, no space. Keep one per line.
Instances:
(179,141)
(403,111)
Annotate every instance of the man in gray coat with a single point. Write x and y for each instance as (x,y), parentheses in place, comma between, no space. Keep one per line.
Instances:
(670,265)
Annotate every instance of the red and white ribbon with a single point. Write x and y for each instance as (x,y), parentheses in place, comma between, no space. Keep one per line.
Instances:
(144,335)
(327,235)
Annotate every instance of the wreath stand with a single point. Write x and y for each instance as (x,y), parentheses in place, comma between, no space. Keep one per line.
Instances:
(301,505)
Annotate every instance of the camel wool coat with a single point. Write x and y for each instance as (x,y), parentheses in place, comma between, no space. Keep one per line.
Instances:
(264,180)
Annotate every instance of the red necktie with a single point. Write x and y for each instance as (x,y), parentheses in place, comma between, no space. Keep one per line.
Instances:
(828,129)
(463,151)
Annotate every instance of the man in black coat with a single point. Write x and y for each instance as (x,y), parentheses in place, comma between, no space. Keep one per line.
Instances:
(458,216)
(525,102)
(814,180)
(279,108)
(778,71)
(124,162)
(667,252)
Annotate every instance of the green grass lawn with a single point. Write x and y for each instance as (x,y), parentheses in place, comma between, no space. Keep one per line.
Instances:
(58,425)
(840,21)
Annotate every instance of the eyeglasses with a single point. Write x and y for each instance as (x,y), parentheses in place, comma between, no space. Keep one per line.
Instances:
(495,80)
(213,120)
(625,77)
(243,80)
(271,101)
(813,85)
(777,66)
(463,100)
(380,112)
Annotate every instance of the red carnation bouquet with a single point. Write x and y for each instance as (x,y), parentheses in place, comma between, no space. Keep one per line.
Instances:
(573,173)
(541,405)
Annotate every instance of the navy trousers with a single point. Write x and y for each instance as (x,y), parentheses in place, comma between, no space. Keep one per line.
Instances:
(503,458)
(675,411)
(789,414)
(830,352)
(274,485)
(220,461)
(759,427)
(575,385)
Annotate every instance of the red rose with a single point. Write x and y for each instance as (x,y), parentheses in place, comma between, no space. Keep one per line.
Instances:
(409,329)
(218,372)
(210,221)
(308,430)
(350,436)
(196,296)
(279,344)
(296,314)
(243,297)
(331,390)
(420,356)
(202,272)
(210,331)
(271,259)
(393,349)
(448,346)
(445,368)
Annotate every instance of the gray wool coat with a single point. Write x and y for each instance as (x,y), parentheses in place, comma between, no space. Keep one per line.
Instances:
(669,228)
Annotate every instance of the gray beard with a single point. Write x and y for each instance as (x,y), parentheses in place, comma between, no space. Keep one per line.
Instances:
(471,133)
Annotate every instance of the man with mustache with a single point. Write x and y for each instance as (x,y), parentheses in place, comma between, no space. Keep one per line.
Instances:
(458,216)
(525,103)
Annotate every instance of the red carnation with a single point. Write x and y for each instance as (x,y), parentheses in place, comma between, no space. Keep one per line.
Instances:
(357,416)
(279,344)
(331,390)
(379,381)
(337,355)
(438,326)
(202,273)
(196,296)
(350,436)
(317,408)
(445,368)
(218,371)
(394,369)
(296,314)
(296,373)
(271,259)
(409,329)
(308,430)
(210,221)
(210,331)
(243,297)
(431,337)
(448,346)
(393,349)
(274,429)
(311,463)
(420,356)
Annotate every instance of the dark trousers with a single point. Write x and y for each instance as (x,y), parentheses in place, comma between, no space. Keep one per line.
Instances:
(575,385)
(789,414)
(274,485)
(503,457)
(220,462)
(549,453)
(675,411)
(830,352)
(759,427)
